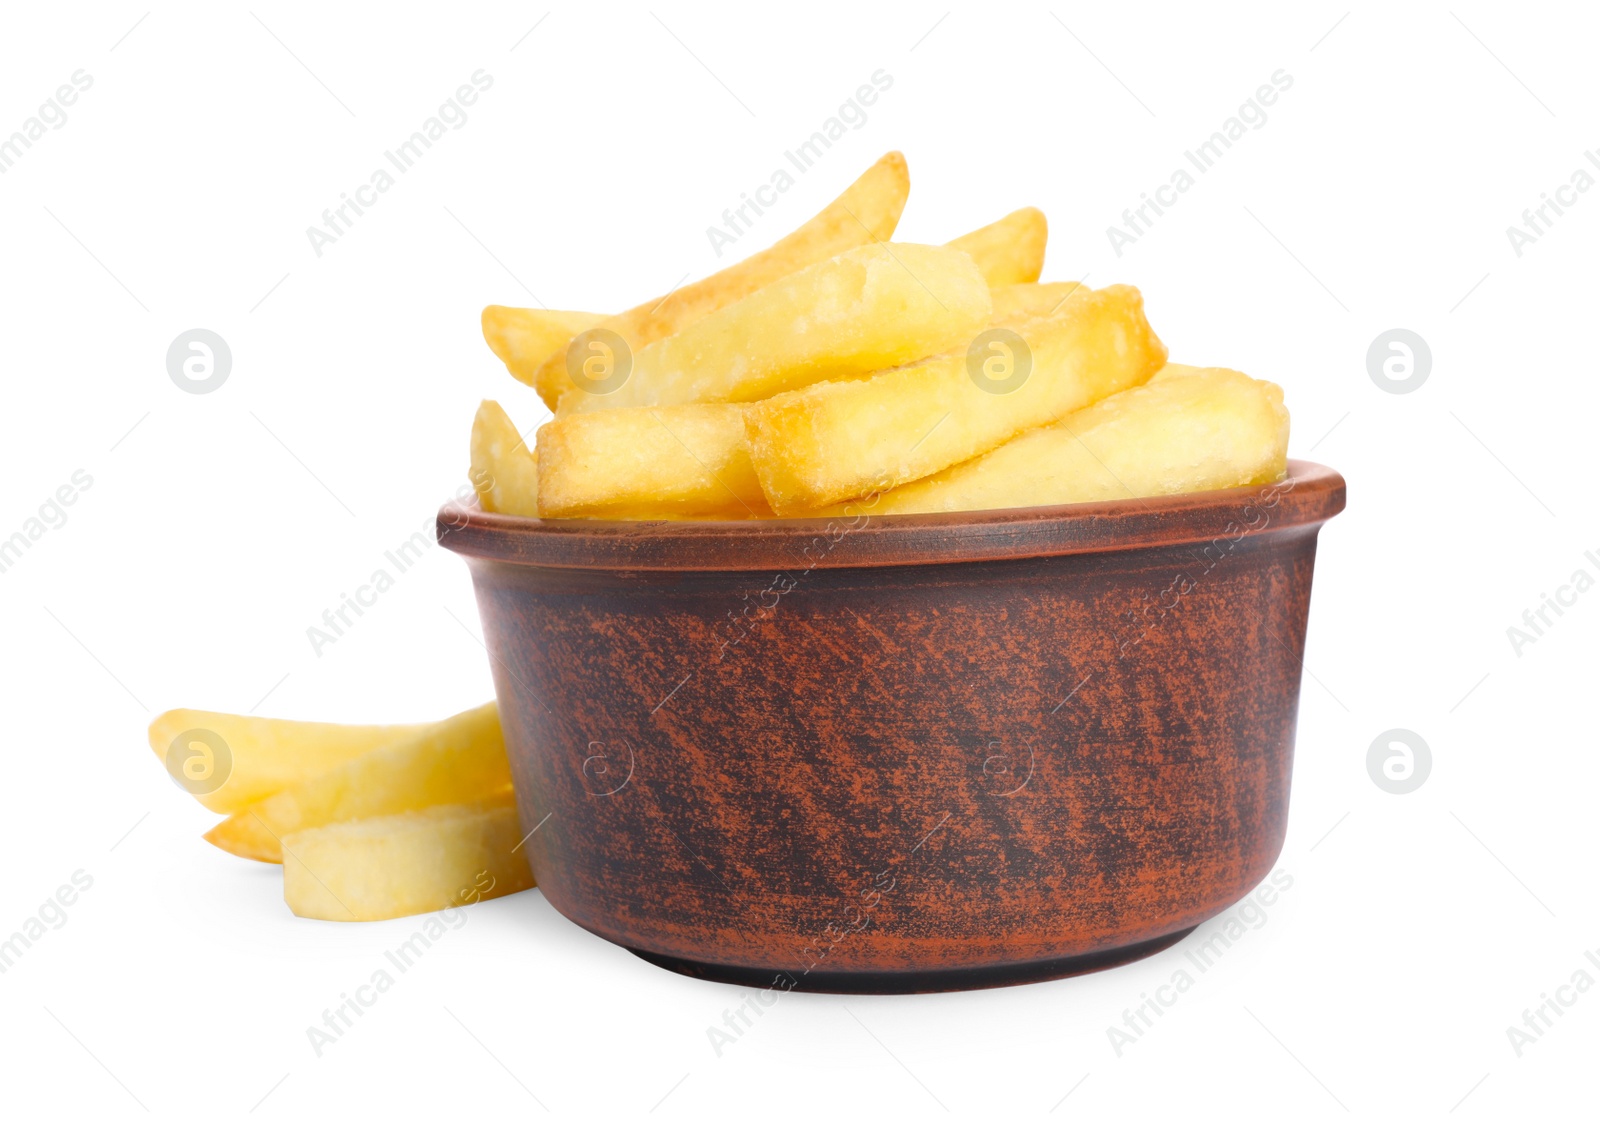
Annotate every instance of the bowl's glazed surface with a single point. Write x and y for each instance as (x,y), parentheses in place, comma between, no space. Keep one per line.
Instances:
(903,753)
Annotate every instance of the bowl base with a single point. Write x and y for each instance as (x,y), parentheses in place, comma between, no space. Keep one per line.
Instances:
(913,982)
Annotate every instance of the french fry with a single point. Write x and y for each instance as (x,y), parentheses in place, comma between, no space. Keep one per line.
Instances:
(504,472)
(618,465)
(1011,251)
(1190,430)
(649,461)
(523,338)
(458,760)
(841,440)
(1017,304)
(869,308)
(257,756)
(415,862)
(867,212)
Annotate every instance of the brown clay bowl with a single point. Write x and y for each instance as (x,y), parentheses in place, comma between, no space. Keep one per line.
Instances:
(904,753)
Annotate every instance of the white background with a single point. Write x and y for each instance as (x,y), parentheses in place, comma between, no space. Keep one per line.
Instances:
(220,526)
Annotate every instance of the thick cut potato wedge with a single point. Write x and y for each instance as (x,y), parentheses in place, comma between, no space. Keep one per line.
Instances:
(869,308)
(868,211)
(416,862)
(1011,251)
(647,462)
(504,471)
(1191,430)
(842,440)
(455,761)
(262,755)
(523,338)
(1017,304)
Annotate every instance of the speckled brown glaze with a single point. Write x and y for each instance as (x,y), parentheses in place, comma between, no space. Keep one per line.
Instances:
(904,753)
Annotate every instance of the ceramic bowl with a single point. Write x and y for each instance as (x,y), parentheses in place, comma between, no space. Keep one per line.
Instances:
(903,753)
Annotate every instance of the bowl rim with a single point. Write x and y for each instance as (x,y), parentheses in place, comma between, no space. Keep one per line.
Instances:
(1308,495)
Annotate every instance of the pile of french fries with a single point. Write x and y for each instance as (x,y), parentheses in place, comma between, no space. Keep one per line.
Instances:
(369,822)
(843,372)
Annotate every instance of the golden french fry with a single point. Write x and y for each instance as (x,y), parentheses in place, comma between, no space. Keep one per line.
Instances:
(460,759)
(868,211)
(504,472)
(842,440)
(1191,430)
(524,338)
(254,757)
(647,462)
(869,308)
(1011,251)
(1017,304)
(440,858)
(619,465)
